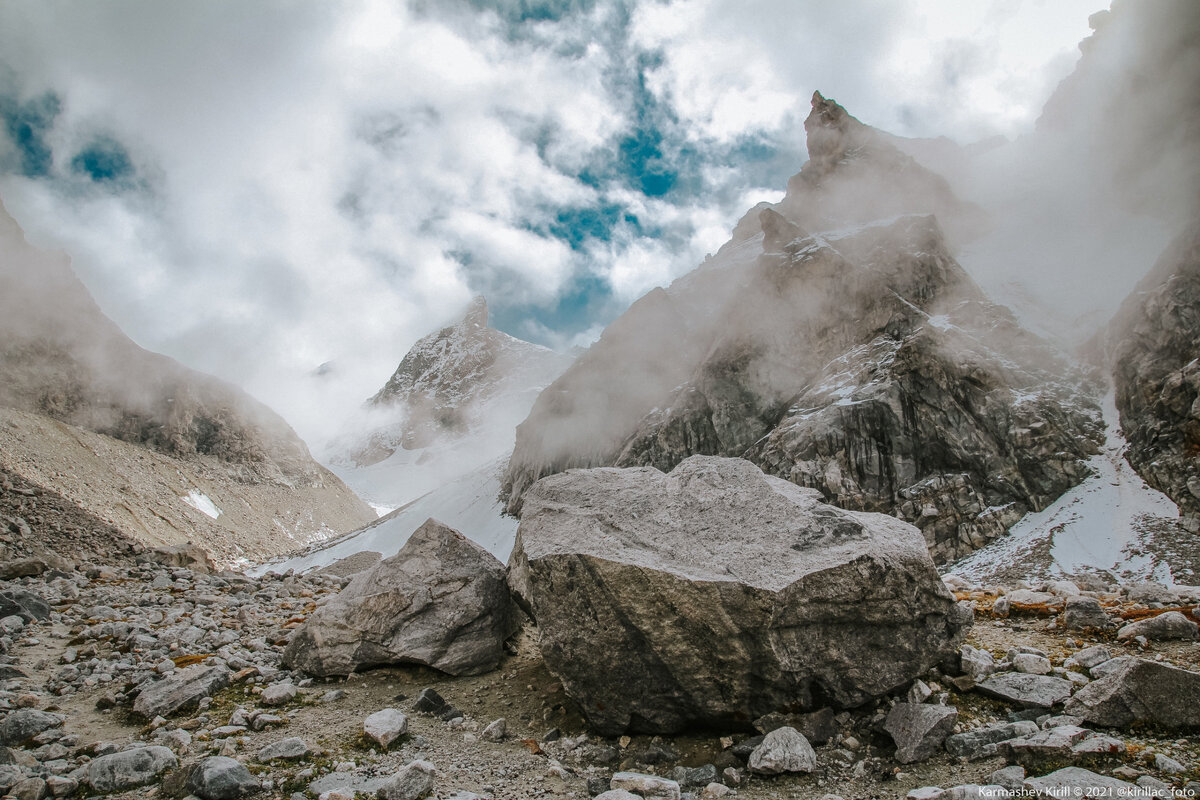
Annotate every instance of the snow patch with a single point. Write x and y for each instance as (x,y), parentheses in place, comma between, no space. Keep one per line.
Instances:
(202,503)
(1095,526)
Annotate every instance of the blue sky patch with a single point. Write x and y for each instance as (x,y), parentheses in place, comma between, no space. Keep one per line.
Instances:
(27,124)
(105,160)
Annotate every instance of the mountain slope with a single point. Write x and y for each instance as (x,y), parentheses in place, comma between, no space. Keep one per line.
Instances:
(71,379)
(853,356)
(1155,346)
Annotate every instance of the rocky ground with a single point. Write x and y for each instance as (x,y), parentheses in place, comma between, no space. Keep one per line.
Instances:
(124,679)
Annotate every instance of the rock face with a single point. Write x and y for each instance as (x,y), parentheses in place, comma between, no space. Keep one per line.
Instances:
(64,363)
(863,362)
(1156,338)
(450,379)
(716,594)
(441,601)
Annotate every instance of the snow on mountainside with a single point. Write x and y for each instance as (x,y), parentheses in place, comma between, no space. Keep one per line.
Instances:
(466,503)
(1111,523)
(434,440)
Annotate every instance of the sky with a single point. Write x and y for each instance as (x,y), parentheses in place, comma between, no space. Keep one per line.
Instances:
(257,189)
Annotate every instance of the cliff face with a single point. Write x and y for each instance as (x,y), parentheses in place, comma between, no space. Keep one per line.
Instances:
(63,360)
(838,345)
(1155,345)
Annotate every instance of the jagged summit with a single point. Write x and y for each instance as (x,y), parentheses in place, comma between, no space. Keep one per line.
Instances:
(835,342)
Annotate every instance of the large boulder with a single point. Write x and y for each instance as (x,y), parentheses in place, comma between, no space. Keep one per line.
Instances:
(441,602)
(1138,690)
(181,690)
(716,594)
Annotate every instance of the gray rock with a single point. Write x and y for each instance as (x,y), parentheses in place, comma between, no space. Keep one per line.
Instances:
(495,731)
(413,781)
(129,769)
(441,602)
(385,726)
(24,604)
(279,694)
(1011,778)
(288,749)
(1171,625)
(22,725)
(919,730)
(647,786)
(1030,691)
(221,778)
(787,600)
(1064,782)
(783,750)
(977,663)
(1032,664)
(1168,765)
(32,788)
(1044,748)
(617,794)
(1084,613)
(183,689)
(1091,657)
(984,742)
(1140,691)
(816,726)
(695,777)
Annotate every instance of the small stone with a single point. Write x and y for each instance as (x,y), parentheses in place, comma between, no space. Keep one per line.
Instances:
(616,794)
(1168,765)
(21,726)
(1084,613)
(1011,778)
(783,750)
(385,726)
(288,749)
(429,702)
(984,742)
(279,694)
(976,663)
(648,786)
(495,731)
(1092,656)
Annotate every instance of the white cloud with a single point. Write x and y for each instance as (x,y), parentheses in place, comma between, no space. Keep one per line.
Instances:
(315,172)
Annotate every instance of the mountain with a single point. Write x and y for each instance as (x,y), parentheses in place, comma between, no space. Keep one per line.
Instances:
(1155,345)
(164,453)
(432,442)
(453,382)
(835,342)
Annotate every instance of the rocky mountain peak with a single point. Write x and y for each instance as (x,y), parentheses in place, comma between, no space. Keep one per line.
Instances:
(443,381)
(832,136)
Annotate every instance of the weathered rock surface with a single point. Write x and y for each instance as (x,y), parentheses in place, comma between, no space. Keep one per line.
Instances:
(1082,613)
(919,730)
(717,594)
(180,691)
(1140,691)
(1078,782)
(412,782)
(221,778)
(385,726)
(984,742)
(129,769)
(441,602)
(22,725)
(1031,691)
(648,786)
(1171,625)
(1156,336)
(783,750)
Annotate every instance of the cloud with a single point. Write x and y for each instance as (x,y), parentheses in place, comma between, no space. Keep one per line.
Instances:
(259,188)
